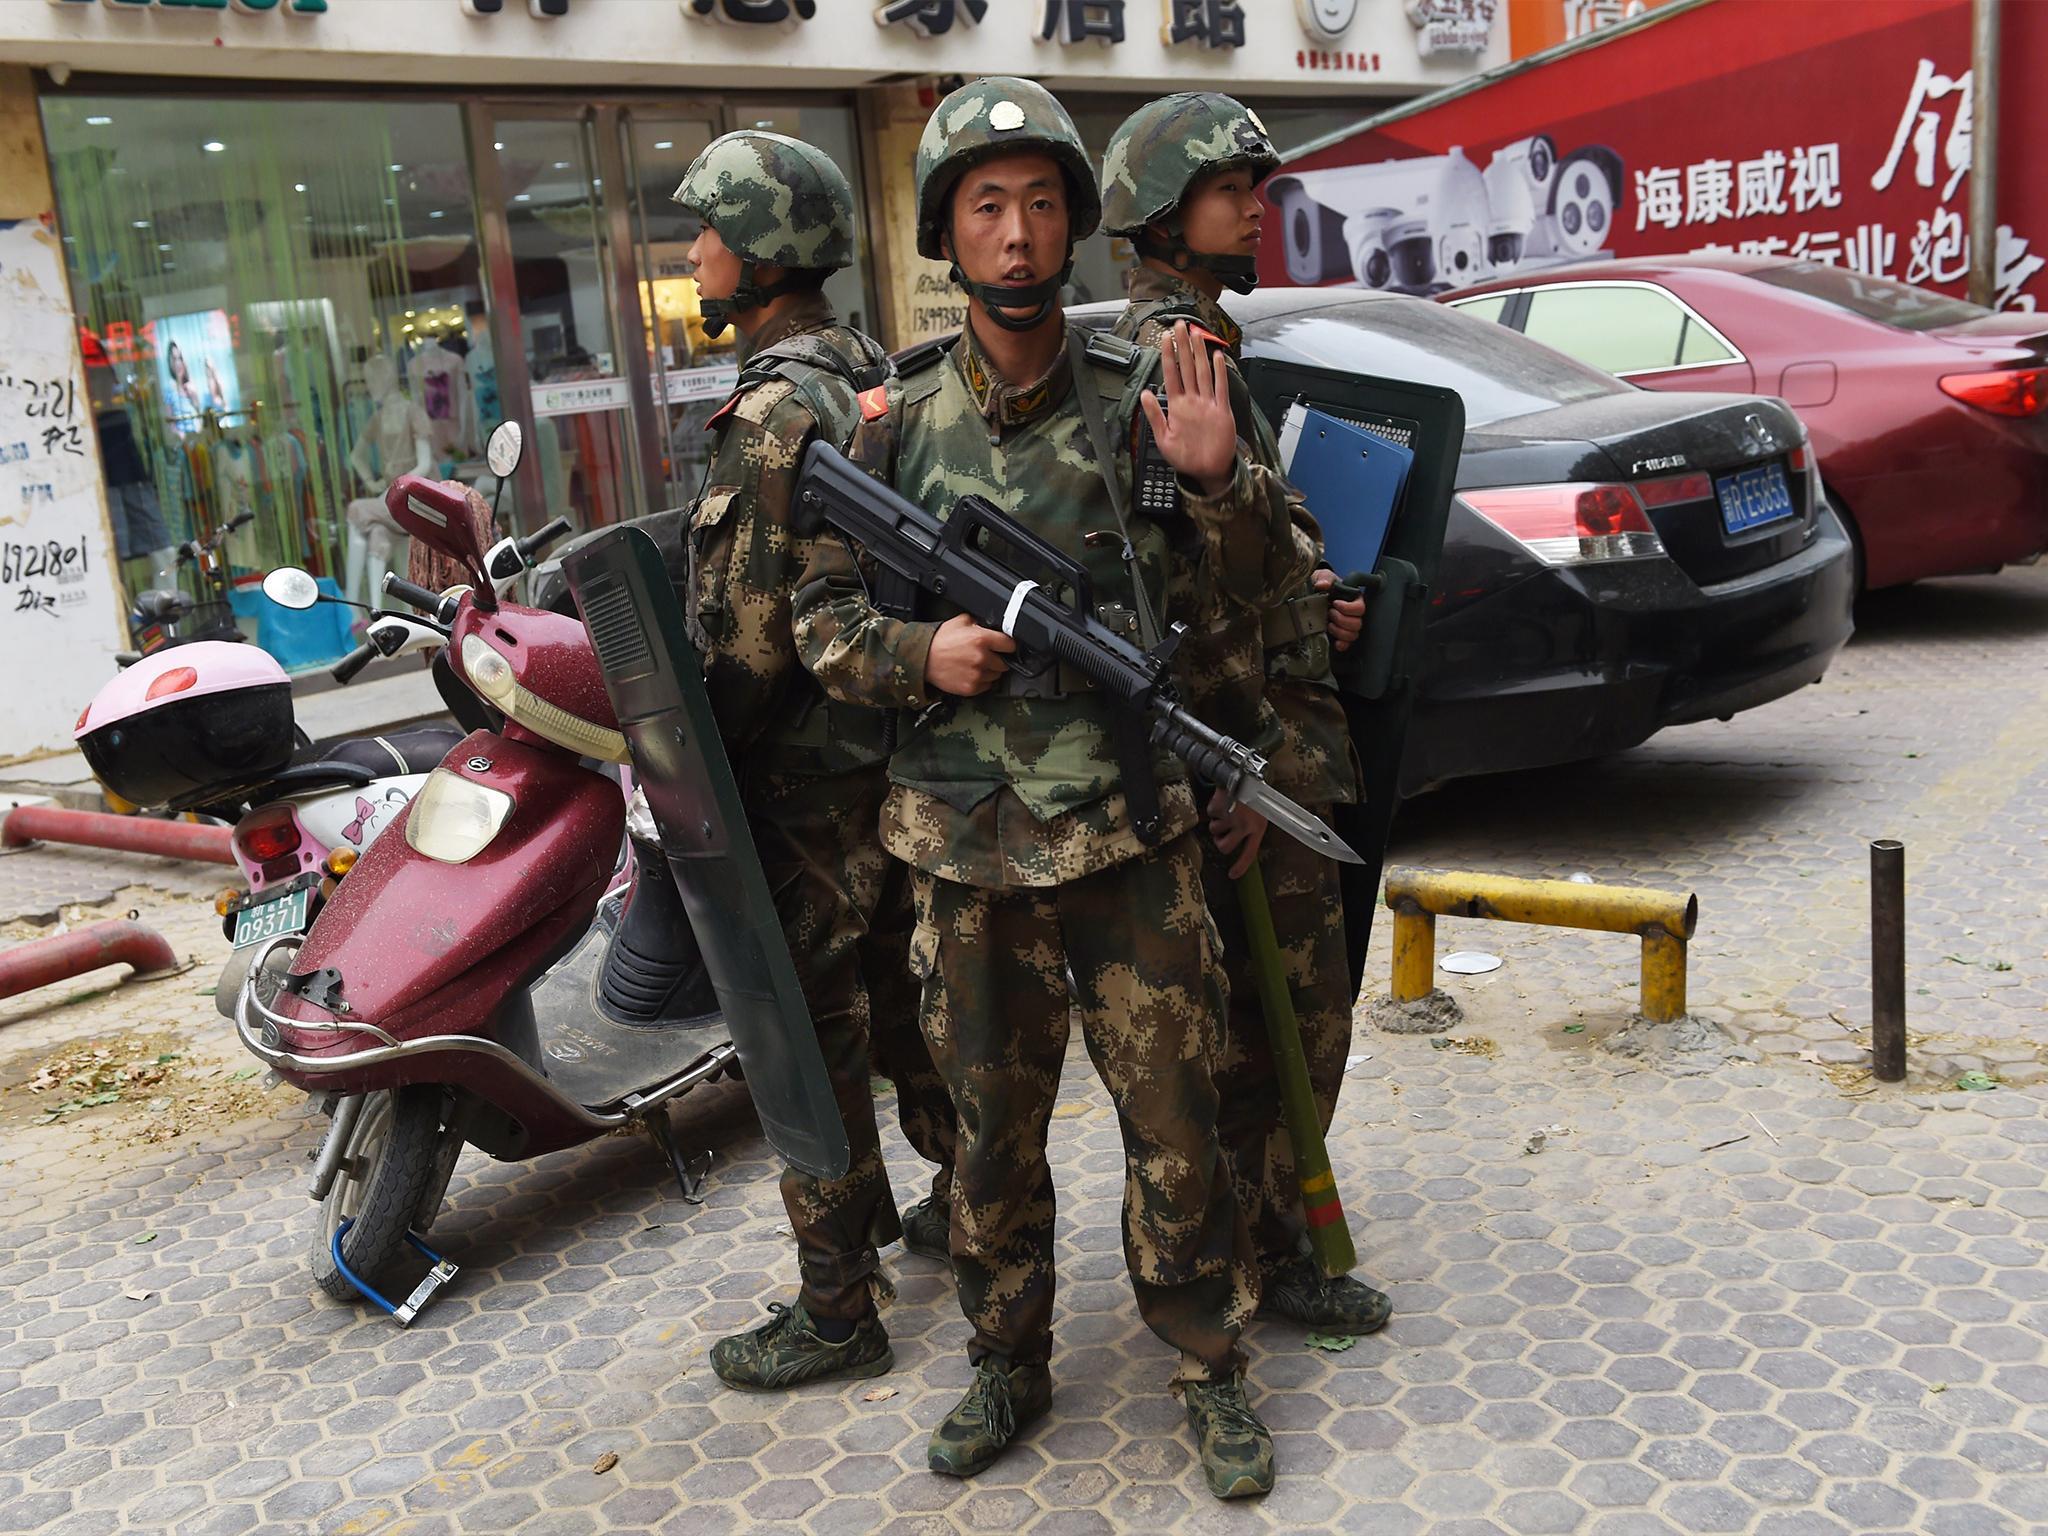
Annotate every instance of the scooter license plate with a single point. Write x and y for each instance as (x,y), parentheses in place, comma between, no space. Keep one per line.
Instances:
(273,919)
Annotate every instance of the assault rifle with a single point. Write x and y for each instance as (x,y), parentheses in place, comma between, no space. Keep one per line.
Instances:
(1005,577)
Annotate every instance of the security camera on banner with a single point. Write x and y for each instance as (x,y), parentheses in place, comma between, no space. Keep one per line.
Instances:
(1438,221)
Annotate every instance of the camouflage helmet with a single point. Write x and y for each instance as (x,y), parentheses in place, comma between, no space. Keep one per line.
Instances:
(772,198)
(1160,149)
(991,117)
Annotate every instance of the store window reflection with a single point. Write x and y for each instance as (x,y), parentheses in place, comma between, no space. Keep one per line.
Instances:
(283,311)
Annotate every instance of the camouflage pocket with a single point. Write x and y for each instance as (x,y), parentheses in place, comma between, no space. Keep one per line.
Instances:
(710,562)
(924,951)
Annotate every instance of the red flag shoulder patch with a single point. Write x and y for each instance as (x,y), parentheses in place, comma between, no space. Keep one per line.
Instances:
(874,403)
(723,411)
(1209,336)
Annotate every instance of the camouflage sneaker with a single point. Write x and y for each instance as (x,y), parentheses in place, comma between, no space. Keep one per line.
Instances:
(786,1351)
(1299,1291)
(1000,1403)
(928,1229)
(1236,1449)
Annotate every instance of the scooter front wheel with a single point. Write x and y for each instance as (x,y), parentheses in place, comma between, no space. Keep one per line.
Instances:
(391,1177)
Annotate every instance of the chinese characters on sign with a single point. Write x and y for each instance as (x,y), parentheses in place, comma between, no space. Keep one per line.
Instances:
(1075,21)
(766,13)
(1212,23)
(1921,152)
(930,18)
(1452,26)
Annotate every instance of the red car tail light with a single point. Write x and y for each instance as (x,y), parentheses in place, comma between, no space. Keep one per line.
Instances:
(269,840)
(2008,392)
(1571,524)
(177,680)
(1672,489)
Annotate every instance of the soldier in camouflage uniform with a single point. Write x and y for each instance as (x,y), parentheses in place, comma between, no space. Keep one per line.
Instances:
(1009,800)
(777,219)
(1178,182)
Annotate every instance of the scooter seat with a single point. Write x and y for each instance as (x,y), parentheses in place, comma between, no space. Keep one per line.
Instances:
(417,750)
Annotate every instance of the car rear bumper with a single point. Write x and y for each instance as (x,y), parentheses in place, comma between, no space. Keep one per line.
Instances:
(1577,662)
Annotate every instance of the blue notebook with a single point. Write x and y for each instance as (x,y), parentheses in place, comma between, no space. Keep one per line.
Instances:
(1352,480)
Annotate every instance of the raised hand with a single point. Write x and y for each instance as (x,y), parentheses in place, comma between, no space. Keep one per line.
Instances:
(1197,431)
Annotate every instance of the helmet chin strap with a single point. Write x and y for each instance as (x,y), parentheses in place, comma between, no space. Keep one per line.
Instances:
(998,300)
(1240,274)
(719,313)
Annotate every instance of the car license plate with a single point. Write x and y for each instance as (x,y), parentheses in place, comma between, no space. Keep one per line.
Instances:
(1754,497)
(272,919)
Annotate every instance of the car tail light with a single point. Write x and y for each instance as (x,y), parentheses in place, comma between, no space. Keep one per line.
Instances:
(2008,392)
(1571,524)
(1672,489)
(267,841)
(177,680)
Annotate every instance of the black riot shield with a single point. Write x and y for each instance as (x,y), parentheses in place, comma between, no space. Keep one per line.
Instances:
(1378,676)
(656,681)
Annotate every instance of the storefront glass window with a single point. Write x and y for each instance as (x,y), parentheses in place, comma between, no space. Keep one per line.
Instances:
(283,312)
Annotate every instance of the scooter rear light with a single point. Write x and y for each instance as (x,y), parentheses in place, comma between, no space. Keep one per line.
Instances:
(269,840)
(177,680)
(453,819)
(2007,392)
(1570,524)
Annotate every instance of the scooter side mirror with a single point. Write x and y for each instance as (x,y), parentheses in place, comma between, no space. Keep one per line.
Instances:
(506,447)
(290,587)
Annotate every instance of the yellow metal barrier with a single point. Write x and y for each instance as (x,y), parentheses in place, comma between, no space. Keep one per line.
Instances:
(1663,920)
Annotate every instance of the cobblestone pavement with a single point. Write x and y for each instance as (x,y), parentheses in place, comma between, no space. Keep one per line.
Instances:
(1719,1295)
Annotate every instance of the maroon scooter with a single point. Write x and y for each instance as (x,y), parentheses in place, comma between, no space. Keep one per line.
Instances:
(492,971)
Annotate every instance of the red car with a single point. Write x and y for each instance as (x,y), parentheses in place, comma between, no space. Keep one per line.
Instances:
(1929,415)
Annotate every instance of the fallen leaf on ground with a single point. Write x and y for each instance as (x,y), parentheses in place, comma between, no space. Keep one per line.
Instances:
(1333,1342)
(878,1395)
(1976,1082)
(147,1237)
(136,1293)
(605,1462)
(1575,1029)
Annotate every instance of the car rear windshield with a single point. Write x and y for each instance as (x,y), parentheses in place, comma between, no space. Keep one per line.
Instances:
(1498,372)
(1885,300)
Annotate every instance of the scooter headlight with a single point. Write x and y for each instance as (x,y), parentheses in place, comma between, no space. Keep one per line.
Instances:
(493,677)
(453,819)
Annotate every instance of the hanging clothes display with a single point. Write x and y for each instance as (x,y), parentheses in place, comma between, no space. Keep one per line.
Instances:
(441,386)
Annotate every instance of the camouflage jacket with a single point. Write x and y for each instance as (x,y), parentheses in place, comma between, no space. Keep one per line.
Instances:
(745,559)
(1243,673)
(1003,789)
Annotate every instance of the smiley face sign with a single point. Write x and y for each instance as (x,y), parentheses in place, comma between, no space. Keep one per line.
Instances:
(1326,20)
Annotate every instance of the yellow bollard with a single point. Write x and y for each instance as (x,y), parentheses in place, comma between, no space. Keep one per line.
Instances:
(1414,953)
(1663,920)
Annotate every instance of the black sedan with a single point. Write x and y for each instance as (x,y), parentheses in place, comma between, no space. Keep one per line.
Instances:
(1616,560)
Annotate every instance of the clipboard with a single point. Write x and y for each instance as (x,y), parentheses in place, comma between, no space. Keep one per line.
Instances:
(1352,479)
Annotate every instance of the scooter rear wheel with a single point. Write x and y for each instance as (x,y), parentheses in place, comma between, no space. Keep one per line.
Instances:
(398,1159)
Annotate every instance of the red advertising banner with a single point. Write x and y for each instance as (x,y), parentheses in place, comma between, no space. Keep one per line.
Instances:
(1820,129)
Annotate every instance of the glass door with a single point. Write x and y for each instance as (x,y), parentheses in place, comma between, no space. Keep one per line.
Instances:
(688,372)
(559,256)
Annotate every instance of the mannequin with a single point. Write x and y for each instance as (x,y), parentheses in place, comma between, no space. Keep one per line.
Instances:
(396,440)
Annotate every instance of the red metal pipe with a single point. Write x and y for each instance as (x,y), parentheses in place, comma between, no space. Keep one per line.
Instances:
(41,962)
(128,834)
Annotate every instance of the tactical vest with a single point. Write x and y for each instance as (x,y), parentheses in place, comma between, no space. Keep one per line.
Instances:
(1048,740)
(823,735)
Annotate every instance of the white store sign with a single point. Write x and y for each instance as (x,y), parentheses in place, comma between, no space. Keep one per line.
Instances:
(60,616)
(572,397)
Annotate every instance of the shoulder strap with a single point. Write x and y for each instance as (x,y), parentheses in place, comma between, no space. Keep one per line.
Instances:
(1078,352)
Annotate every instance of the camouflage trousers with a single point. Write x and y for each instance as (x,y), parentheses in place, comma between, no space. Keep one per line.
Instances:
(1303,892)
(832,884)
(1142,952)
